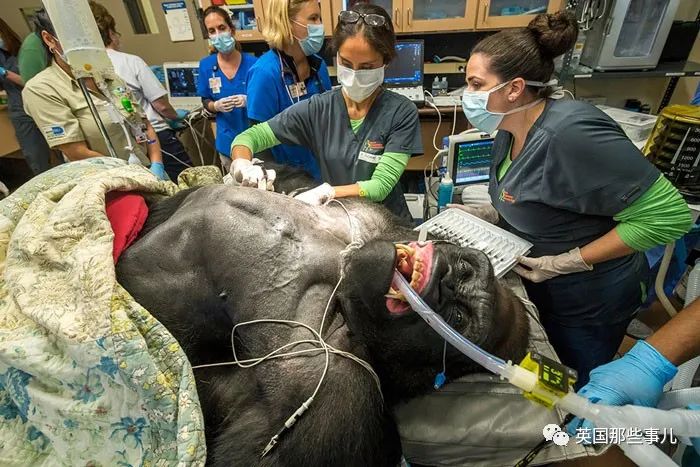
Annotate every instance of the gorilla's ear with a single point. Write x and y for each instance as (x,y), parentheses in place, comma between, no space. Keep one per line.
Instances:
(368,272)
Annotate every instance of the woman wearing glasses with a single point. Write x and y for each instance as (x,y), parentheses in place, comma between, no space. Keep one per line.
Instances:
(290,72)
(362,135)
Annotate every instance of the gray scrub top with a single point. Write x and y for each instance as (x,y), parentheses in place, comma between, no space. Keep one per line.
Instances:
(322,124)
(576,171)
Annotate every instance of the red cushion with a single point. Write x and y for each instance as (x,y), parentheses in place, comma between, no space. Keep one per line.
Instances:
(127,212)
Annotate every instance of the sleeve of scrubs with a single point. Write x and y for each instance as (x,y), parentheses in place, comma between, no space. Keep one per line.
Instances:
(659,216)
(203,83)
(151,87)
(52,115)
(294,125)
(593,168)
(405,132)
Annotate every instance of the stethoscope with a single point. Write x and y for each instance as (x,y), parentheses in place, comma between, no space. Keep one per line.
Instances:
(295,83)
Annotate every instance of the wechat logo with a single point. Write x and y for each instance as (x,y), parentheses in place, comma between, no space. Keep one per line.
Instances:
(555,434)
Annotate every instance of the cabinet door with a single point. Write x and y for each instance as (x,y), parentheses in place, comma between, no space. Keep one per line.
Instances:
(246,17)
(496,14)
(393,7)
(439,15)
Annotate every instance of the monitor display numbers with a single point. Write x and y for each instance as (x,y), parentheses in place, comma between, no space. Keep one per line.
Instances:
(473,161)
(182,82)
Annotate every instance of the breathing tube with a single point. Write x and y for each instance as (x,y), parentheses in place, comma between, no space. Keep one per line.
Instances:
(681,422)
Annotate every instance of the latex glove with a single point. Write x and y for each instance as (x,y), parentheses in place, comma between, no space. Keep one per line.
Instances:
(177,124)
(484,211)
(239,100)
(317,196)
(3,72)
(225,104)
(251,173)
(158,169)
(636,378)
(547,267)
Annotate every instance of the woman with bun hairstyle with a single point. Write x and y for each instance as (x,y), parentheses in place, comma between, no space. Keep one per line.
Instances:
(566,178)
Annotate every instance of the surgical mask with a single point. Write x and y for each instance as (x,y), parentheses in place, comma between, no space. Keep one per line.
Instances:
(313,42)
(223,42)
(358,85)
(475,106)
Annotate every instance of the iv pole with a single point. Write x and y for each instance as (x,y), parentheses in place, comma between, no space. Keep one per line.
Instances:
(96,116)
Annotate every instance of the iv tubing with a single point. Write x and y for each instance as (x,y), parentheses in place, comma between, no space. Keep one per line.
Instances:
(96,116)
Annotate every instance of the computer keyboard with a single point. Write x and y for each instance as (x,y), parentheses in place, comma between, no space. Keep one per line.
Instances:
(463,229)
(414,93)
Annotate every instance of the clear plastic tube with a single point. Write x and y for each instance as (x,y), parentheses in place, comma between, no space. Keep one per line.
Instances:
(681,422)
(464,345)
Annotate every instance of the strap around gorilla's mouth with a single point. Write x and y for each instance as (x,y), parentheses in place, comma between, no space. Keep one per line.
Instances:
(415,262)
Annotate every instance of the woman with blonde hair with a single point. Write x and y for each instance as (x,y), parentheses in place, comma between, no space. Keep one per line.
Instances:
(290,72)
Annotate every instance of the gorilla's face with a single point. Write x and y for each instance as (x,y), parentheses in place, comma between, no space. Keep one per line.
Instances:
(457,283)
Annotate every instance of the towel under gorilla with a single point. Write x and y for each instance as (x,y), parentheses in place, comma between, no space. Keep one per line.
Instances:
(216,256)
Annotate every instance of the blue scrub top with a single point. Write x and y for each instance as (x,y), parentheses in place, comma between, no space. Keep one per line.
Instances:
(228,124)
(268,96)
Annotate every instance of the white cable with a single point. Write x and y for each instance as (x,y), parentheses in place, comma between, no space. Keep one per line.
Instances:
(432,104)
(196,140)
(319,341)
(175,157)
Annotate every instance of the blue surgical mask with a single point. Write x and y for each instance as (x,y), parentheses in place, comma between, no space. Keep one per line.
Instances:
(475,107)
(313,42)
(223,42)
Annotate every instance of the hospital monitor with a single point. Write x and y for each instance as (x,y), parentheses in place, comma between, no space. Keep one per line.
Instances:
(469,159)
(406,69)
(181,83)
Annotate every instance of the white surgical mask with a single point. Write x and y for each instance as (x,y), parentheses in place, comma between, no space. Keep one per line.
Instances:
(358,85)
(475,106)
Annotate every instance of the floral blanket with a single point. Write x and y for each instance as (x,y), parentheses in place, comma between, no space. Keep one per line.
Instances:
(87,376)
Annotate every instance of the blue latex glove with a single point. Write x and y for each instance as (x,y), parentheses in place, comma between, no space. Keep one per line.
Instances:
(158,169)
(637,378)
(177,123)
(3,72)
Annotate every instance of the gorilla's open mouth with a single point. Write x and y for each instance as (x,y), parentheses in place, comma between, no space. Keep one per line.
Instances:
(415,262)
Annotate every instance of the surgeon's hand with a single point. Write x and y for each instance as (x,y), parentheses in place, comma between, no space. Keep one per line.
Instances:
(158,169)
(637,378)
(251,173)
(317,196)
(484,211)
(225,104)
(239,100)
(547,267)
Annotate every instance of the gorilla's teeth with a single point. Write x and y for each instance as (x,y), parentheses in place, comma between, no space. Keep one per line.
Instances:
(407,248)
(416,277)
(418,265)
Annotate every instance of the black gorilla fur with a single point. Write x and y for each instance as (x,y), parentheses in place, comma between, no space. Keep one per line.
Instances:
(212,257)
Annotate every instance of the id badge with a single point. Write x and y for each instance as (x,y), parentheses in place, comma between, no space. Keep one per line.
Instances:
(215,85)
(297,90)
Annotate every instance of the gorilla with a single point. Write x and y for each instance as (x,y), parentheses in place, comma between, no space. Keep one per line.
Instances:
(213,257)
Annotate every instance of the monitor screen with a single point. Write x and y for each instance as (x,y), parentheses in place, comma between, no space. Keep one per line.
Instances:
(406,69)
(472,162)
(182,82)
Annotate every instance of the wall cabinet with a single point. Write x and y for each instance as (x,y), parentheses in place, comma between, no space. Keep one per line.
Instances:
(409,16)
(498,14)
